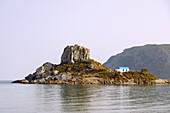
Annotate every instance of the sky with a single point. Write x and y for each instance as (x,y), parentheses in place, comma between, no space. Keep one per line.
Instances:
(33,32)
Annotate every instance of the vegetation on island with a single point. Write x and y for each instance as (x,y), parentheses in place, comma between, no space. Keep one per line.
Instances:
(90,68)
(86,71)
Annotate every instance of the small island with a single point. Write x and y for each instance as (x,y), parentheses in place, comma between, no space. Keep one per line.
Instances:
(76,67)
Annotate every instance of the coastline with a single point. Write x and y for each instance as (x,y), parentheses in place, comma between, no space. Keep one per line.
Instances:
(95,80)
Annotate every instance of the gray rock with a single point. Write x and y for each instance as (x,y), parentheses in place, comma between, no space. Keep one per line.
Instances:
(47,78)
(40,70)
(25,81)
(74,53)
(38,77)
(91,66)
(62,76)
(48,66)
(34,81)
(29,77)
(55,72)
(55,78)
(45,75)
(41,80)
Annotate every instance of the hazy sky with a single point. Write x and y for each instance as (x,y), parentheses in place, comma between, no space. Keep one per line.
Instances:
(33,32)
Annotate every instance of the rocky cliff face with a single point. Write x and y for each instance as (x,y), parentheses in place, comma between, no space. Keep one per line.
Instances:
(74,53)
(154,57)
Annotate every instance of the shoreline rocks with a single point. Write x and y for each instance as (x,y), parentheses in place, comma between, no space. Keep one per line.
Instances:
(93,80)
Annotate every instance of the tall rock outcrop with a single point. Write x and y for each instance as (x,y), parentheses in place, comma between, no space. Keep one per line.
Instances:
(74,53)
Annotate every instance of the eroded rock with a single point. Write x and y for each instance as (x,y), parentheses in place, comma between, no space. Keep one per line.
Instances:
(75,53)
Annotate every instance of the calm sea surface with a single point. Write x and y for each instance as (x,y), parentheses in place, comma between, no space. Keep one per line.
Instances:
(32,98)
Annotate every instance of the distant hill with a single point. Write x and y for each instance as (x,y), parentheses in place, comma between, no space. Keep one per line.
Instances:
(154,57)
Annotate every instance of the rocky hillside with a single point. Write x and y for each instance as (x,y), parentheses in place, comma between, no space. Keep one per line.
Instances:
(76,67)
(154,57)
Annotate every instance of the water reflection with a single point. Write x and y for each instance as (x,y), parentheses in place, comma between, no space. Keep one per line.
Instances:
(148,98)
(48,97)
(77,98)
(103,98)
(96,98)
(88,98)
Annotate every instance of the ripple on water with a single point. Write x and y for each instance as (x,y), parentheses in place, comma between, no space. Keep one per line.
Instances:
(83,98)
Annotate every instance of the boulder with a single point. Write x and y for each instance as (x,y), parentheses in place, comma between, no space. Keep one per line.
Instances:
(62,76)
(44,68)
(74,53)
(39,70)
(55,72)
(30,77)
(48,66)
(45,75)
(24,81)
(91,66)
(41,80)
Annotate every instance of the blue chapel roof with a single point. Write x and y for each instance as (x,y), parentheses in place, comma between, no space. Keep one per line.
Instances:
(123,68)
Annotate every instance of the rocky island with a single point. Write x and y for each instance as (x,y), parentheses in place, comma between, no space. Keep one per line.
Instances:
(76,67)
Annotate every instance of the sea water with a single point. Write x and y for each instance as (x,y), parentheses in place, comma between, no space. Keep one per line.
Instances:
(42,98)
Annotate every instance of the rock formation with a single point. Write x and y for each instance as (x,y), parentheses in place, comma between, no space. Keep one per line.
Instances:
(74,53)
(42,73)
(77,68)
